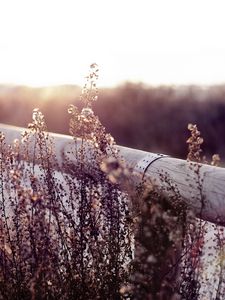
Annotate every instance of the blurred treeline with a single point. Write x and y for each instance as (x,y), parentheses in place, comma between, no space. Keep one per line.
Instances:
(138,116)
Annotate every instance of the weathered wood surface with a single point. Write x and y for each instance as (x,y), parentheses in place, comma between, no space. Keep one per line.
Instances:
(204,192)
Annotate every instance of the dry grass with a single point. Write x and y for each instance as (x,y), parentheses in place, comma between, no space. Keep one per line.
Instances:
(82,232)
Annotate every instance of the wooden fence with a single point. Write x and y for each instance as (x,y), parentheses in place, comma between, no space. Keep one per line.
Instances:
(202,187)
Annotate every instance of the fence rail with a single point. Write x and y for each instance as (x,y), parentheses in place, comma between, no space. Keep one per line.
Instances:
(202,187)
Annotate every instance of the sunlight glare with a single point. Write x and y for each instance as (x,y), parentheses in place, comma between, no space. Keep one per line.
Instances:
(157,42)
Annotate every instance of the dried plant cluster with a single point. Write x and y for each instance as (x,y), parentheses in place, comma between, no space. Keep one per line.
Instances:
(64,235)
(205,241)
(177,256)
(73,231)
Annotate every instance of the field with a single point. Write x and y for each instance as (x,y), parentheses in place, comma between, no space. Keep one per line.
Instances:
(148,118)
(83,230)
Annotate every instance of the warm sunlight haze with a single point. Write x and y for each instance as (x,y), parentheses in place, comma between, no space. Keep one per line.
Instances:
(112,149)
(156,42)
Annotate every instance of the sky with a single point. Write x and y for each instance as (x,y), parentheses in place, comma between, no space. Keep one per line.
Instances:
(50,42)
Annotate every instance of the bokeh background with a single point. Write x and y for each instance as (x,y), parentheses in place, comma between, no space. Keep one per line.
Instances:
(162,66)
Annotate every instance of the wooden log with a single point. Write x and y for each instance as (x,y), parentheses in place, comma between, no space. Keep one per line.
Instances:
(201,187)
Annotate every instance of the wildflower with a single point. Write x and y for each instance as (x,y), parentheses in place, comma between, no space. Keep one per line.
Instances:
(87,111)
(112,168)
(215,160)
(194,144)
(2,137)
